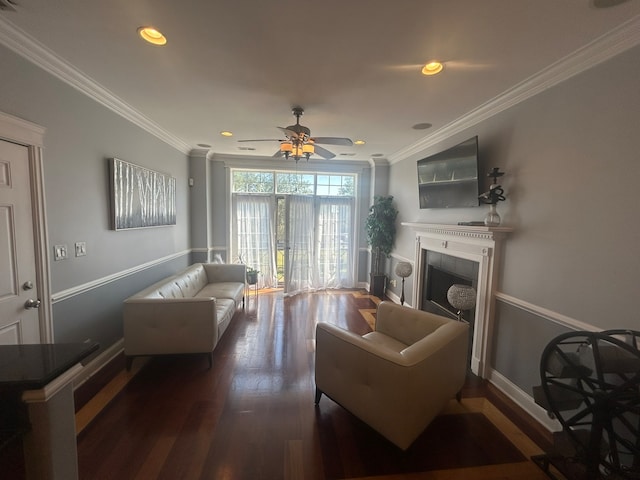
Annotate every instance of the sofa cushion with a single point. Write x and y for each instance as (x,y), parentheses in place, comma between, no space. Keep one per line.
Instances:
(170,289)
(232,290)
(192,280)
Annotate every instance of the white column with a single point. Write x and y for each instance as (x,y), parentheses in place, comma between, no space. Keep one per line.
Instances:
(50,449)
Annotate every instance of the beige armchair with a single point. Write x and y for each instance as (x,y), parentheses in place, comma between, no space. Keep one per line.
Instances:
(397,378)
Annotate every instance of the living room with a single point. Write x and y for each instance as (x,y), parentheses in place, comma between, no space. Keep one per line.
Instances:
(565,138)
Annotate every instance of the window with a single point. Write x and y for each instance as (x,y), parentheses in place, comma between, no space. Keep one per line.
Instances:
(244,181)
(335,185)
(293,183)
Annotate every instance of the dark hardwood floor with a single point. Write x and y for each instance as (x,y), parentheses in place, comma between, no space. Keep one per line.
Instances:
(252,415)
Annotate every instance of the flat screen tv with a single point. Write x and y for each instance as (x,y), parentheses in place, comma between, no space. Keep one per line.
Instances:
(449,179)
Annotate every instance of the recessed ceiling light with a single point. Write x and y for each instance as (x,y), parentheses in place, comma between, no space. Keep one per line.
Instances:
(204,145)
(152,35)
(359,142)
(422,126)
(432,68)
(351,154)
(249,149)
(226,133)
(378,155)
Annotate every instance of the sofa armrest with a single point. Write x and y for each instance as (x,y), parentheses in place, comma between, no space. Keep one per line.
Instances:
(155,326)
(225,272)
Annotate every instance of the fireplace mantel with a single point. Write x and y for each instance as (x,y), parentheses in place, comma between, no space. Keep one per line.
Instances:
(468,231)
(480,244)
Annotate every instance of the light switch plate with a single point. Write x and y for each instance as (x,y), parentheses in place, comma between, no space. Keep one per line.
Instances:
(59,252)
(81,249)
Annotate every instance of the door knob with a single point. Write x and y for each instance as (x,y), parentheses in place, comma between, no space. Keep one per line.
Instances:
(32,303)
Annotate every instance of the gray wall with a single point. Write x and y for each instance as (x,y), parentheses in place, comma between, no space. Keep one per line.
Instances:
(572,167)
(80,136)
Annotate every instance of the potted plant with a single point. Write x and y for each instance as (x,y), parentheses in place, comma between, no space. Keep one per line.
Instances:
(252,276)
(381,231)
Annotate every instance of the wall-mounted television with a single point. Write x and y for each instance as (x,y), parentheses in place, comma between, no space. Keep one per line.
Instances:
(449,179)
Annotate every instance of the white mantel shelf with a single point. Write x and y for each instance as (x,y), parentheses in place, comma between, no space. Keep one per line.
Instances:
(477,243)
(474,231)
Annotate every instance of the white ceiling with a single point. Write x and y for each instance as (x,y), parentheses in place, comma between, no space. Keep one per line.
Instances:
(354,65)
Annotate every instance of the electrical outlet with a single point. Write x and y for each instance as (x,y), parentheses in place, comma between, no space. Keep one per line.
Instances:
(81,249)
(59,252)
(393,282)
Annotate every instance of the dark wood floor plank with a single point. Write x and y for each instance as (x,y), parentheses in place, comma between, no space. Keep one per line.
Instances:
(252,415)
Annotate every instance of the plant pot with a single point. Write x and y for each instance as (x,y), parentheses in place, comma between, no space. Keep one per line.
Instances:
(377,285)
(252,278)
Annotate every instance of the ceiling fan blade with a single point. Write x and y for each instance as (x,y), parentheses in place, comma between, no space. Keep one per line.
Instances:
(333,141)
(323,152)
(290,134)
(263,140)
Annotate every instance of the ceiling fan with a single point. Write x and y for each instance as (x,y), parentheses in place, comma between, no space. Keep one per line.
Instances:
(299,143)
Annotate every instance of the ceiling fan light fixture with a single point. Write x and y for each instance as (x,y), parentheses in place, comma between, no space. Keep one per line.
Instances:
(432,68)
(152,36)
(286,148)
(299,143)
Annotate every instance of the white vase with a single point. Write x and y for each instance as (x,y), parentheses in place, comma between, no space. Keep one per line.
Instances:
(492,219)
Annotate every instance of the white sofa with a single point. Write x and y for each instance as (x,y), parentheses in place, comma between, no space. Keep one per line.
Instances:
(397,378)
(185,313)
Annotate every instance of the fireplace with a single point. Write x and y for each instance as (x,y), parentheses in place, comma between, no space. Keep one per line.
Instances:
(440,273)
(447,254)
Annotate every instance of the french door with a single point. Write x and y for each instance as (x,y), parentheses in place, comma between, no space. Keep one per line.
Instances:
(298,242)
(319,243)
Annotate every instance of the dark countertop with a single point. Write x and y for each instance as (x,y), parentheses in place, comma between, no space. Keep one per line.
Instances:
(31,367)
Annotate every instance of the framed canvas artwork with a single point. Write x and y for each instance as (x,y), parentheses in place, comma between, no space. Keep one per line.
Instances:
(140,197)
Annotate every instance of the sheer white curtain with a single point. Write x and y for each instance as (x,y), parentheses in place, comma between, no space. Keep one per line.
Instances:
(321,244)
(300,238)
(253,219)
(335,243)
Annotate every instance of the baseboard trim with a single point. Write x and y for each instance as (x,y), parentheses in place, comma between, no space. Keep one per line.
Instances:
(522,400)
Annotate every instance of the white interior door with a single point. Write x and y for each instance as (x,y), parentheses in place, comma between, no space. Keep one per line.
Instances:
(19,323)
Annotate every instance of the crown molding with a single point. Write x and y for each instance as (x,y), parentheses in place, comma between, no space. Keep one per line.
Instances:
(199,152)
(607,46)
(28,47)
